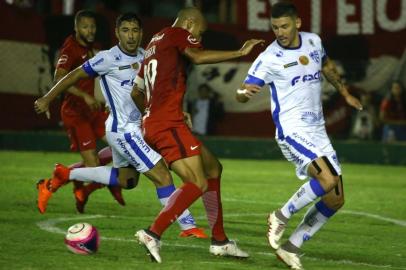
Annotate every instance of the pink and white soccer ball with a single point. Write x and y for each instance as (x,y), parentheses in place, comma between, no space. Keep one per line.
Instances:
(82,238)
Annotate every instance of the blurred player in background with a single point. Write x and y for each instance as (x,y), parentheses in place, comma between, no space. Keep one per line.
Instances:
(82,115)
(163,80)
(117,68)
(292,67)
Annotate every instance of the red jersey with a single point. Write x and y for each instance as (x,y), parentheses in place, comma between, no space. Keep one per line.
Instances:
(72,55)
(164,74)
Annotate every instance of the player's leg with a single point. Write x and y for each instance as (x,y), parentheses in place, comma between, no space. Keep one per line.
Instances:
(163,182)
(318,215)
(220,244)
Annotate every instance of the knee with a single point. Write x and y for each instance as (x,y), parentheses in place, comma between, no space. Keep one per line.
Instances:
(129,183)
(214,171)
(202,185)
(329,182)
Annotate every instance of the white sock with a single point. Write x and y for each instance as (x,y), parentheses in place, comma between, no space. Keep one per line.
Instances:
(103,174)
(185,220)
(306,194)
(313,220)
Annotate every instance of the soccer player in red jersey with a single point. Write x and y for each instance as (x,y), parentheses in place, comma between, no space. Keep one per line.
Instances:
(82,115)
(163,80)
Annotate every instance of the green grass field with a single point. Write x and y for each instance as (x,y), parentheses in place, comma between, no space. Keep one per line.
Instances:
(369,233)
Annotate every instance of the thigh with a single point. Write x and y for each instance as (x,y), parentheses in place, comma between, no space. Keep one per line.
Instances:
(174,143)
(131,149)
(212,165)
(335,198)
(190,169)
(80,133)
(98,124)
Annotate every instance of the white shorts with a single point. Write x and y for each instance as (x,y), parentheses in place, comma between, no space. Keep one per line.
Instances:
(131,149)
(303,145)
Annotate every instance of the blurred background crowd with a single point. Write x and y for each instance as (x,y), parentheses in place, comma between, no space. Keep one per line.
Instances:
(366,39)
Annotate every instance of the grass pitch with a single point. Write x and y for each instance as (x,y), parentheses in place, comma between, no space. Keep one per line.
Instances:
(369,233)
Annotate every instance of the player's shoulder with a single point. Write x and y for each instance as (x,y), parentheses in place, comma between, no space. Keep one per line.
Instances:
(271,53)
(310,38)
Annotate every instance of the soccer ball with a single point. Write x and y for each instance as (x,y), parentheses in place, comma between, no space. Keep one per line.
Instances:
(82,238)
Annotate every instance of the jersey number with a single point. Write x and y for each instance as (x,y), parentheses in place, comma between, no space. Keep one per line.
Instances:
(150,75)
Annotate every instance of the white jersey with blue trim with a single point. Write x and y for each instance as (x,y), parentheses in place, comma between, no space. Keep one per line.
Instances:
(294,78)
(117,72)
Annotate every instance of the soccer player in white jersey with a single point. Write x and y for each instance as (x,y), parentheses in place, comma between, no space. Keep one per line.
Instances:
(292,67)
(117,69)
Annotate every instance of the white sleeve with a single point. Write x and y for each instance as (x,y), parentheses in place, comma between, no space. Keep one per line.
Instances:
(100,64)
(260,72)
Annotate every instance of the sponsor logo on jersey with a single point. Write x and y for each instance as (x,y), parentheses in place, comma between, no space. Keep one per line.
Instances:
(135,65)
(192,40)
(304,60)
(140,141)
(98,62)
(279,54)
(117,57)
(315,56)
(311,117)
(124,67)
(311,42)
(125,151)
(291,64)
(307,78)
(63,59)
(127,82)
(134,116)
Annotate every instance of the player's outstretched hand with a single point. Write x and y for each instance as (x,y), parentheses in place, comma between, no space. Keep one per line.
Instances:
(249,45)
(41,105)
(354,102)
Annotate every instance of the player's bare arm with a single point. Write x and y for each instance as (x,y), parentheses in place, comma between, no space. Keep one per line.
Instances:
(246,92)
(41,105)
(201,56)
(330,72)
(138,96)
(91,101)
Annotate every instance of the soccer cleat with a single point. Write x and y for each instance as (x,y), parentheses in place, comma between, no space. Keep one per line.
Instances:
(116,192)
(81,196)
(44,194)
(151,244)
(230,249)
(289,258)
(61,176)
(194,232)
(275,230)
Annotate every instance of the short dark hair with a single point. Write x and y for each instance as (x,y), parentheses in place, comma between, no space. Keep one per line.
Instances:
(84,13)
(129,17)
(283,9)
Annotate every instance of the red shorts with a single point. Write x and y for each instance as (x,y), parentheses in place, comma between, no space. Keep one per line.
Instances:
(83,132)
(173,143)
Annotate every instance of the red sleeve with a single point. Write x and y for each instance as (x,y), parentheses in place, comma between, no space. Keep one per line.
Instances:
(66,58)
(183,39)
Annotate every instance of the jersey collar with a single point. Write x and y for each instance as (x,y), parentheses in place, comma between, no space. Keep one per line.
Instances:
(292,48)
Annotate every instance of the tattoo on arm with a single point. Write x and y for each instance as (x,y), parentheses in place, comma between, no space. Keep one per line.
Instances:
(331,73)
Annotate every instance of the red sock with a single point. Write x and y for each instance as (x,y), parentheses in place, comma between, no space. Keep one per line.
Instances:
(181,199)
(214,209)
(105,157)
